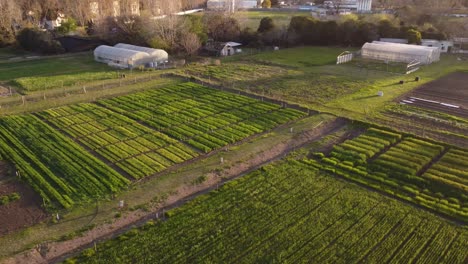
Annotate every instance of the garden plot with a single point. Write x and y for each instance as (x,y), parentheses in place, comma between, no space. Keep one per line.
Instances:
(204,118)
(448,94)
(134,148)
(411,169)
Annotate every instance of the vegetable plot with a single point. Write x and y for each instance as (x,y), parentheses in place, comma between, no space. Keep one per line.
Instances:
(134,148)
(288,212)
(403,166)
(58,169)
(202,117)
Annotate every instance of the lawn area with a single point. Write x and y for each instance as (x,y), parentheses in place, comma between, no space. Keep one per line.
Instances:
(282,18)
(54,72)
(302,57)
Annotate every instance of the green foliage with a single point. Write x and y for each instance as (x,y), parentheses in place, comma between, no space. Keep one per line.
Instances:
(266,24)
(38,41)
(413,36)
(266,4)
(395,170)
(249,220)
(67,26)
(57,168)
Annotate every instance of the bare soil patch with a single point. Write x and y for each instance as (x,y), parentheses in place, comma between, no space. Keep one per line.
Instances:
(22,213)
(57,251)
(448,94)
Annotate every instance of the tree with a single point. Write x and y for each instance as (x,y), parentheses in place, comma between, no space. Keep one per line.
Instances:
(413,36)
(266,4)
(387,29)
(190,43)
(67,26)
(266,24)
(221,27)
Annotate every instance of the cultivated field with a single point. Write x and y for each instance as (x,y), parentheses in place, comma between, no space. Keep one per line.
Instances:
(428,174)
(448,94)
(178,123)
(288,212)
(350,192)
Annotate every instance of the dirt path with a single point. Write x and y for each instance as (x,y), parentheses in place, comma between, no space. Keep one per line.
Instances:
(58,251)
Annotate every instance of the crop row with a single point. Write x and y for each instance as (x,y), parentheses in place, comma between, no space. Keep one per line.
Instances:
(396,171)
(286,212)
(450,174)
(364,146)
(58,169)
(136,149)
(406,159)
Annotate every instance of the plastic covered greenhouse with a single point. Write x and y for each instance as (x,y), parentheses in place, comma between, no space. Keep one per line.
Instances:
(123,58)
(397,52)
(157,55)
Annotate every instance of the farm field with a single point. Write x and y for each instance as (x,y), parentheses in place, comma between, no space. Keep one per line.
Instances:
(448,95)
(425,173)
(28,76)
(315,81)
(146,197)
(288,212)
(63,173)
(202,117)
(58,169)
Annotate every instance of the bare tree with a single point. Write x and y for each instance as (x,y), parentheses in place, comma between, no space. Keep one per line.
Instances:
(190,43)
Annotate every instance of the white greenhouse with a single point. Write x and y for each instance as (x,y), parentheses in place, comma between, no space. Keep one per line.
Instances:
(396,52)
(122,58)
(156,55)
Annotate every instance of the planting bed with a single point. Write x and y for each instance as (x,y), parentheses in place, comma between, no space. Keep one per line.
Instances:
(203,118)
(22,211)
(58,169)
(403,166)
(134,148)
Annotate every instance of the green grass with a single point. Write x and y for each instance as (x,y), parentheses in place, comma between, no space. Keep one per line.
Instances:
(51,66)
(288,212)
(281,18)
(302,57)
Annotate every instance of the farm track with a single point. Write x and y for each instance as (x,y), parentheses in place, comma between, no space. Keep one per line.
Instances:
(62,250)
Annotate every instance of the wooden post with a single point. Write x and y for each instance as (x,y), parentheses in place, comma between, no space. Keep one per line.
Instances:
(23,99)
(84,89)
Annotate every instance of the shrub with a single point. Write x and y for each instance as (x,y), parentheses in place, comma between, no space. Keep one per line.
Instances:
(39,41)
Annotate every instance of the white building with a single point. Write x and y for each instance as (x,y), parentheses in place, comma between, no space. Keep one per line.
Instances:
(353,5)
(231,5)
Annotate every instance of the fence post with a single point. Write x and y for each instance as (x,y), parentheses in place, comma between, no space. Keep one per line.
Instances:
(23,99)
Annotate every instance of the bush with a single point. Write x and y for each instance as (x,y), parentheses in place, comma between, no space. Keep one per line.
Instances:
(39,41)
(67,26)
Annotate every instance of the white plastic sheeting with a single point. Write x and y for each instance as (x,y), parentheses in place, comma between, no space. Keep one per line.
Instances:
(396,52)
(157,55)
(121,57)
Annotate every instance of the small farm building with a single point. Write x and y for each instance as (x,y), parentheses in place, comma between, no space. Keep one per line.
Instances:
(157,55)
(222,48)
(396,52)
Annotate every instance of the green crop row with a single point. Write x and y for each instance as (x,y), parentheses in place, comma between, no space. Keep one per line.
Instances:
(57,168)
(287,211)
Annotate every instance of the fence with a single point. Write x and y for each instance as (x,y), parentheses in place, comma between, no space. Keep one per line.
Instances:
(344,57)
(17,100)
